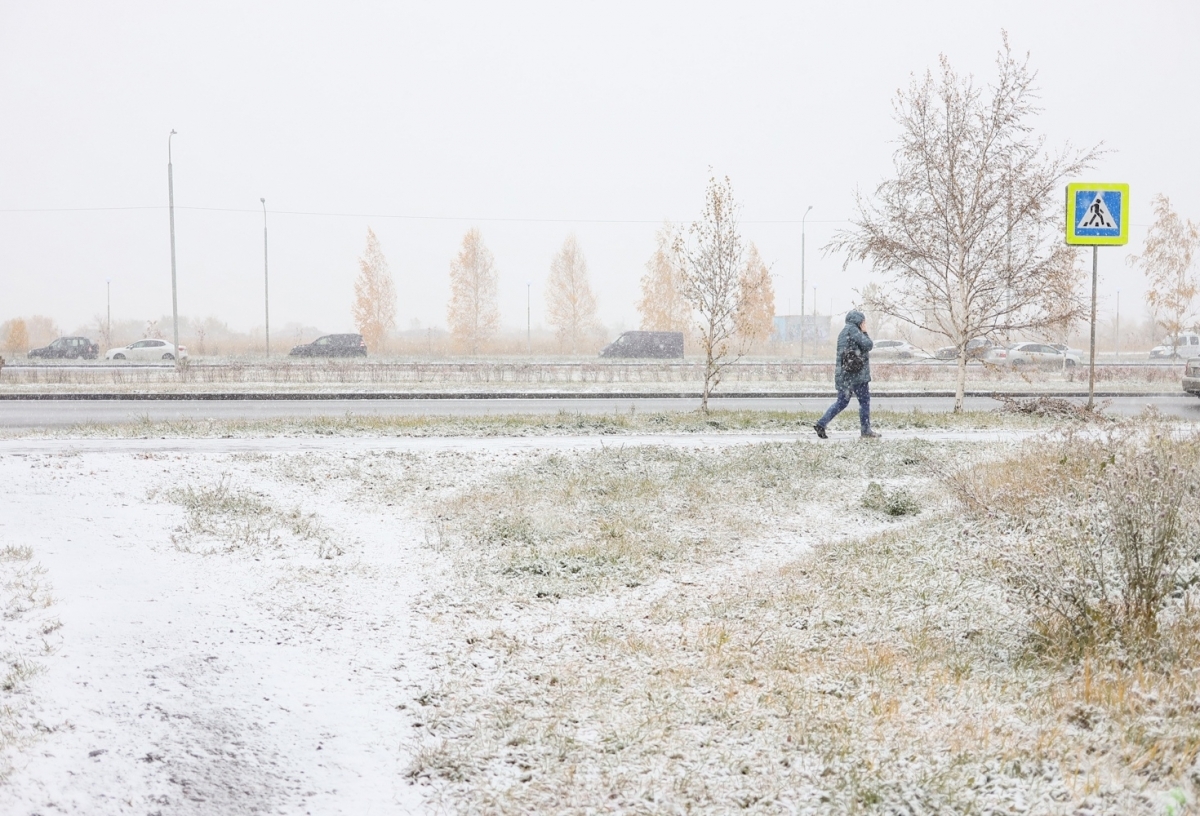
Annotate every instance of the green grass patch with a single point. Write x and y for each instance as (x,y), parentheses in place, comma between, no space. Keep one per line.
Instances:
(564,423)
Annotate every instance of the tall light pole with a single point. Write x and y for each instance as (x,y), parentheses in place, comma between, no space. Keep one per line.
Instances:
(528,320)
(171,209)
(266,279)
(802,254)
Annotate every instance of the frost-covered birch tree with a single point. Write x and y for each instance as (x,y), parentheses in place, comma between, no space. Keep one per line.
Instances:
(968,233)
(710,257)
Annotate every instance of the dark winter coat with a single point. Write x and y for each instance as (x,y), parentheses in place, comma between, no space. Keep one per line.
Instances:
(853,334)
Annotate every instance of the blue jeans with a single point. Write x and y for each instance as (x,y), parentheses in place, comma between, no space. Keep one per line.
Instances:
(863,394)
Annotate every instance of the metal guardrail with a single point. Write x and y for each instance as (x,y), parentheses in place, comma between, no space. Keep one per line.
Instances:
(95,365)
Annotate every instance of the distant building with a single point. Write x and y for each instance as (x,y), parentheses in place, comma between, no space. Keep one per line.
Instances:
(789,327)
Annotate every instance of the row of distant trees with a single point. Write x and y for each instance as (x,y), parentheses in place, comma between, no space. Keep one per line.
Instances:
(727,296)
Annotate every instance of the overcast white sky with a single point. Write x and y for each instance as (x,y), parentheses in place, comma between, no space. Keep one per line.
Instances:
(529,120)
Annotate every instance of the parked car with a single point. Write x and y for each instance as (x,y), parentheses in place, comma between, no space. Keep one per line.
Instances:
(659,344)
(332,345)
(1039,354)
(1186,345)
(71,348)
(977,349)
(897,350)
(1191,377)
(1068,349)
(148,349)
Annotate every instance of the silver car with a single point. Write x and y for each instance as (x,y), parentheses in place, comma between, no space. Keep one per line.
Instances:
(897,350)
(1039,354)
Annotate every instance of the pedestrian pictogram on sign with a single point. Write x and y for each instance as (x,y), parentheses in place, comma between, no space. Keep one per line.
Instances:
(1097,214)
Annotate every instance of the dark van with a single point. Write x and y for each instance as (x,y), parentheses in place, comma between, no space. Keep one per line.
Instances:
(658,344)
(332,345)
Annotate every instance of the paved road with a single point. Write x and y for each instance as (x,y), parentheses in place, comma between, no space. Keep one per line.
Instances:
(20,414)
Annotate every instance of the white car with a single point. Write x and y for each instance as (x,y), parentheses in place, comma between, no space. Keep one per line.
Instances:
(1185,346)
(1039,354)
(897,350)
(147,350)
(1080,353)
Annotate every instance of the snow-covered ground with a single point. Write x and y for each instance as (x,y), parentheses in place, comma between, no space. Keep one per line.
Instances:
(261,680)
(295,625)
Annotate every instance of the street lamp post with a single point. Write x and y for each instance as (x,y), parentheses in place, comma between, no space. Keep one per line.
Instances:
(171,209)
(108,311)
(266,280)
(802,254)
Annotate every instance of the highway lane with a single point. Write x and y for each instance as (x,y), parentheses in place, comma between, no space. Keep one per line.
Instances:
(32,414)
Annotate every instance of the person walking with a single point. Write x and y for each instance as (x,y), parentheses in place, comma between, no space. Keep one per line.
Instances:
(852,375)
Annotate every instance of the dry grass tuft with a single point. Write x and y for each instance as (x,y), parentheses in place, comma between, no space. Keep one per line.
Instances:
(1053,407)
(242,519)
(898,502)
(1102,532)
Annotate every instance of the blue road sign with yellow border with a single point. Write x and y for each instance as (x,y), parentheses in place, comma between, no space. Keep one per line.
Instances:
(1097,214)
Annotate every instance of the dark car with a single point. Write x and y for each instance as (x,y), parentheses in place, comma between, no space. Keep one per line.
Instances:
(332,345)
(74,348)
(658,344)
(977,349)
(1191,377)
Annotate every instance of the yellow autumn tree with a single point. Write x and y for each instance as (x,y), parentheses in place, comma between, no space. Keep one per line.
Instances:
(374,295)
(755,316)
(42,330)
(570,302)
(17,336)
(663,306)
(472,313)
(1171,246)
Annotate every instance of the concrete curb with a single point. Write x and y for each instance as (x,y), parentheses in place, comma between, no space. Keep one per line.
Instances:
(544,395)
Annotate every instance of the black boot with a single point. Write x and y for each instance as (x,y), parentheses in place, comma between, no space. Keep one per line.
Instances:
(820,429)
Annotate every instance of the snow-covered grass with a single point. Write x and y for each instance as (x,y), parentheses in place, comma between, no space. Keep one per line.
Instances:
(742,633)
(560,423)
(241,518)
(27,635)
(594,521)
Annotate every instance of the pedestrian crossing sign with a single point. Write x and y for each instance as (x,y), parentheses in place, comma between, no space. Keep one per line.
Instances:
(1097,214)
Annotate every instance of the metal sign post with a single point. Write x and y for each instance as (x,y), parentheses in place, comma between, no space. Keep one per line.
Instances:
(1097,215)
